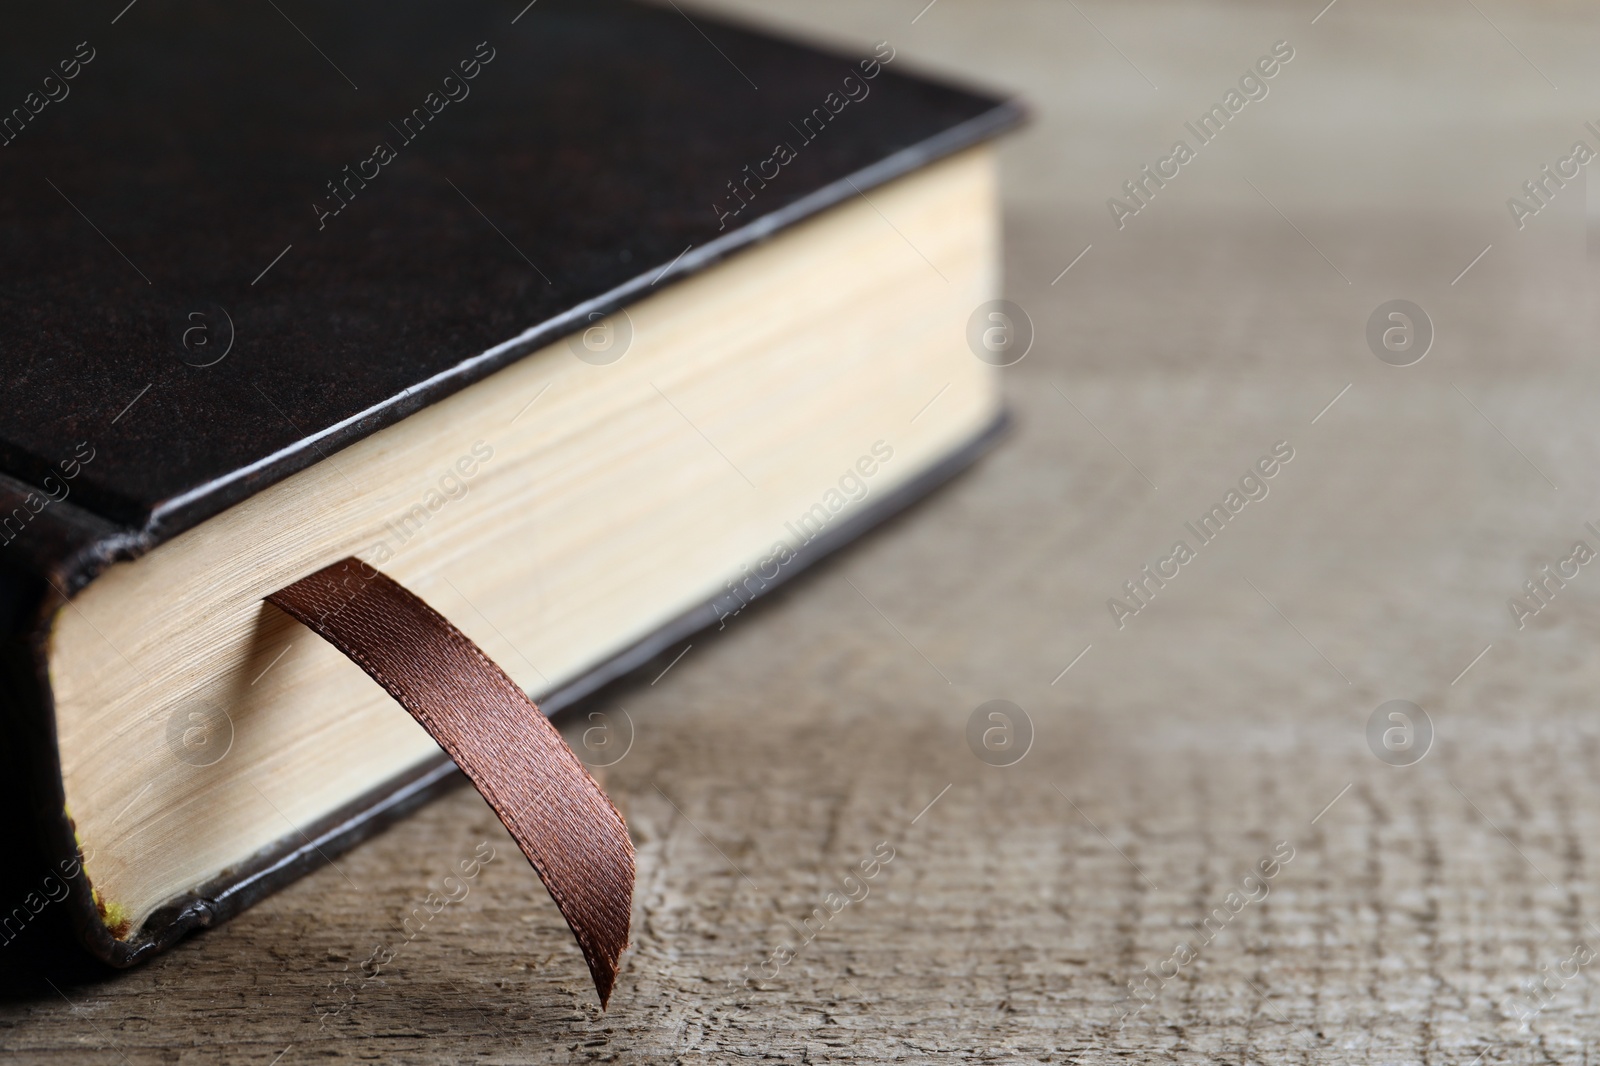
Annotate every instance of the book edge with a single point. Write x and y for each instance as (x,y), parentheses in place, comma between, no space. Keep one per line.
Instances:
(183,512)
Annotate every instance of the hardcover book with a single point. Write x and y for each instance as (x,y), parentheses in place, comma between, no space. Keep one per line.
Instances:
(586,323)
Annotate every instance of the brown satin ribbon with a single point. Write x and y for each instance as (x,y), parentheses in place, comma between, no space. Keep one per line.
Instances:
(570,832)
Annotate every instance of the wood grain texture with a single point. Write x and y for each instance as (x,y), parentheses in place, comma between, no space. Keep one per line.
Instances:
(1178,752)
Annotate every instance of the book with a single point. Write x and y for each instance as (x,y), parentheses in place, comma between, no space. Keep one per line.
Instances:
(588,323)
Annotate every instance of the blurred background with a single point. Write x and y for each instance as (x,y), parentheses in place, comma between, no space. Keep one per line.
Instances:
(1438,899)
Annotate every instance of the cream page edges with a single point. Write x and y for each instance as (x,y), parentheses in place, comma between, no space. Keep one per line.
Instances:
(624,495)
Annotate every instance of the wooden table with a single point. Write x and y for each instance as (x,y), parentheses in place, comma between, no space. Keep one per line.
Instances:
(1035,912)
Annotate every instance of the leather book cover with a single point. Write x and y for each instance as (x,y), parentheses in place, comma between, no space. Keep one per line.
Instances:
(236,240)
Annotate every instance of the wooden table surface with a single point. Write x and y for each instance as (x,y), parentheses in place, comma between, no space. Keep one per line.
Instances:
(1103,899)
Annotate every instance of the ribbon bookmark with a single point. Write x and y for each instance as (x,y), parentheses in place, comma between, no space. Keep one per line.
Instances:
(570,832)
